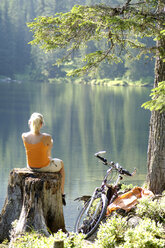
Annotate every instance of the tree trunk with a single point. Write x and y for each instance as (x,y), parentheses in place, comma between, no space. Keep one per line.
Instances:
(35,200)
(156,145)
(156,153)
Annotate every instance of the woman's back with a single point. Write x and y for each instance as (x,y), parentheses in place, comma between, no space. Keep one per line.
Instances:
(37,149)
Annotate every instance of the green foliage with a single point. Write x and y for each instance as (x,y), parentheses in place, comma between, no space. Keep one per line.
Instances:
(18,58)
(125,187)
(118,27)
(115,233)
(5,242)
(36,240)
(112,233)
(158,99)
(145,235)
(149,233)
(154,210)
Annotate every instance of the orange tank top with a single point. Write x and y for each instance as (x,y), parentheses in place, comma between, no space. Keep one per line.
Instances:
(37,154)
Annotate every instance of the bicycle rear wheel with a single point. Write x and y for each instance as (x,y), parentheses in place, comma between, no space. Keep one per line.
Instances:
(89,219)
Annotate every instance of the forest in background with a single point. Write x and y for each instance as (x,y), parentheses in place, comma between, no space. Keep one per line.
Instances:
(19,60)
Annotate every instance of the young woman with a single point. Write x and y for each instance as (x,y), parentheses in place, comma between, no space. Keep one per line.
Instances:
(38,150)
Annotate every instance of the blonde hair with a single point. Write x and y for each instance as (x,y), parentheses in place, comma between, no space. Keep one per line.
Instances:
(35,121)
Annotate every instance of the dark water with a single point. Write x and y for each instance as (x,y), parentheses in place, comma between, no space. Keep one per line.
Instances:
(82,121)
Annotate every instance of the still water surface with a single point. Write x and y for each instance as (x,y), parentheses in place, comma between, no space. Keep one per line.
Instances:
(82,120)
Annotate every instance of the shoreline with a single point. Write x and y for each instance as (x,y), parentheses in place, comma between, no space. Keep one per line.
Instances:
(85,81)
(102,82)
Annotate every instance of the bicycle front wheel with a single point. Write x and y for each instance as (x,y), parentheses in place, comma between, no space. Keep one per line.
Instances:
(91,215)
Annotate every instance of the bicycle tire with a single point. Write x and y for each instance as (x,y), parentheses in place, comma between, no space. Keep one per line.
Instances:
(88,223)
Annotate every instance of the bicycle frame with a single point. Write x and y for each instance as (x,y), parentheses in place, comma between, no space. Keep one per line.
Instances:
(103,187)
(95,208)
(92,198)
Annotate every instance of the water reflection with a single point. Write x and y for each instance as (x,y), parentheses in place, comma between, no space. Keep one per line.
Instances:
(82,121)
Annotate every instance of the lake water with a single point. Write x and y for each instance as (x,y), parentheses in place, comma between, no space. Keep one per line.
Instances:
(82,120)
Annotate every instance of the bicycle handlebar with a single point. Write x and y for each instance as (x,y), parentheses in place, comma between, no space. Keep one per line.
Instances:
(102,159)
(115,166)
(125,172)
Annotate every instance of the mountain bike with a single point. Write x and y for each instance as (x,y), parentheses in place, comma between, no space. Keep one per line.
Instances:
(94,210)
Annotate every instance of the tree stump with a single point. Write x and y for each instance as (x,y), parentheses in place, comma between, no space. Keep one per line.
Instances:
(34,199)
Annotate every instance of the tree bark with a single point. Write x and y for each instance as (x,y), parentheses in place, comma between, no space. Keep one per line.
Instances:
(156,145)
(35,200)
(156,154)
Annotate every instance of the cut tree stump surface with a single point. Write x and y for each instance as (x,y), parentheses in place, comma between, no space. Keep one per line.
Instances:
(34,199)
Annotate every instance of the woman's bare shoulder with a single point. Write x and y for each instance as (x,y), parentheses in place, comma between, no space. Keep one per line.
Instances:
(47,137)
(25,135)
